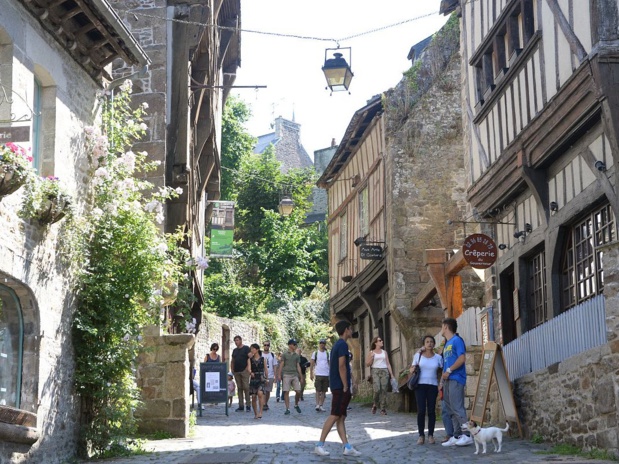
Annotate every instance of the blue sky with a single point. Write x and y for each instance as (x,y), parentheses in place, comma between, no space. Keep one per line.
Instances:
(291,67)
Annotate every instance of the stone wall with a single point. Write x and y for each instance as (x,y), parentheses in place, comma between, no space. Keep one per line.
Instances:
(30,254)
(163,377)
(577,401)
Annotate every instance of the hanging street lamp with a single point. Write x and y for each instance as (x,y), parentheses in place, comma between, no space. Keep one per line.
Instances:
(337,70)
(286,205)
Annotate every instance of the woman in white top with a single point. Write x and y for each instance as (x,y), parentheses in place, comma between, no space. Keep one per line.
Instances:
(427,389)
(380,371)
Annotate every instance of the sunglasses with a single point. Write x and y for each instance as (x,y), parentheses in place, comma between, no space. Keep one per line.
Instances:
(267,344)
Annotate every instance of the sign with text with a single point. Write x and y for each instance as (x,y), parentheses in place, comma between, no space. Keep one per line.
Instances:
(493,363)
(214,383)
(479,251)
(222,229)
(373,252)
(14,134)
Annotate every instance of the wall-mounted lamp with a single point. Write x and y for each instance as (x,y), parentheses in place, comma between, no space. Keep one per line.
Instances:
(600,166)
(347,278)
(528,228)
(502,246)
(554,206)
(519,233)
(359,240)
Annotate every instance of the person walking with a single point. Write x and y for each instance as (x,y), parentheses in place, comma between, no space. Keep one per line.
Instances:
(272,364)
(454,381)
(339,382)
(319,373)
(380,370)
(427,389)
(304,363)
(259,374)
(290,373)
(241,369)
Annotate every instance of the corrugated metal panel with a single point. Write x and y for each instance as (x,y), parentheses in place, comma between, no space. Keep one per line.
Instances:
(579,329)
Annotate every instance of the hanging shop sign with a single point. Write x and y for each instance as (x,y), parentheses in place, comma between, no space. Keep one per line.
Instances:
(222,229)
(479,251)
(372,252)
(15,134)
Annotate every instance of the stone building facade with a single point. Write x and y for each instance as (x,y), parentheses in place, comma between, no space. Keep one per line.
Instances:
(286,140)
(49,88)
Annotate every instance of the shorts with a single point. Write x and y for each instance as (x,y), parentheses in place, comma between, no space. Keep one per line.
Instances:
(291,381)
(339,402)
(321,382)
(268,386)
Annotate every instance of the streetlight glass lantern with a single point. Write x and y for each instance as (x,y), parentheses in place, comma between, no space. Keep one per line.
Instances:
(337,70)
(286,205)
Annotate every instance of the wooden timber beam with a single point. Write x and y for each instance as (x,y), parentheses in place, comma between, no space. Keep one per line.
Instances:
(572,39)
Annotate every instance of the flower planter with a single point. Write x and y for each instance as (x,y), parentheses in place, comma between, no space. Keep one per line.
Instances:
(53,209)
(10,179)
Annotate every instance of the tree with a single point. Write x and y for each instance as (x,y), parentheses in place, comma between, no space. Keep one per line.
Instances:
(236,143)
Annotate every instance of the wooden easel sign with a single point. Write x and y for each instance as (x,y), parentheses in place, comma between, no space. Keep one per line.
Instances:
(492,361)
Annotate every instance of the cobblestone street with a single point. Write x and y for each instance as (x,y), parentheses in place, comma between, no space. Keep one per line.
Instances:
(277,438)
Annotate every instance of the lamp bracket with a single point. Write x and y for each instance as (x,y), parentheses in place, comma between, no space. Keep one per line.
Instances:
(6,97)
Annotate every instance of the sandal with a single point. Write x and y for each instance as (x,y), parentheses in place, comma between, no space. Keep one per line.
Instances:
(383,412)
(373,409)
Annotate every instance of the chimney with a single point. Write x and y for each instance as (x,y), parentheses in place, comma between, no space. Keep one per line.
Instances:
(332,142)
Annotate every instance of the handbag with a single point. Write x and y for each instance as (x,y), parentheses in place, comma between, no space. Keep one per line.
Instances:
(413,380)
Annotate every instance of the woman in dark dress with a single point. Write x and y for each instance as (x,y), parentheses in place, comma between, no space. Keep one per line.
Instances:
(257,380)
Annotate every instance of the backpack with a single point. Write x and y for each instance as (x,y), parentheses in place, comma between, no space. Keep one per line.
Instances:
(315,358)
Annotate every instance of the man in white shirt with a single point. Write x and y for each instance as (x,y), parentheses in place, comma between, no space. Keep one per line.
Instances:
(271,361)
(319,368)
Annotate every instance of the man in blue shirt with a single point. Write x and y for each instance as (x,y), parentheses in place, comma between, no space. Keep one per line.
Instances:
(454,381)
(339,383)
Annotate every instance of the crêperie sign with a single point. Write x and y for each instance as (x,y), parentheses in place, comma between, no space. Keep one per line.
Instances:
(479,251)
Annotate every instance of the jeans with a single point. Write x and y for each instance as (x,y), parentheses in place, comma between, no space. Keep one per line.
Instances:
(454,401)
(380,379)
(426,401)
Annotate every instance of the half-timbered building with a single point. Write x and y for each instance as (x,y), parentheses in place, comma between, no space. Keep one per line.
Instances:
(541,112)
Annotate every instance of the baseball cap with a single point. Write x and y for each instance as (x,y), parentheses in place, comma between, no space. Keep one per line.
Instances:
(292,341)
(230,374)
(322,340)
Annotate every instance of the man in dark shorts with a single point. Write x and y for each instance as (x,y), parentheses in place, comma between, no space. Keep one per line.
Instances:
(339,382)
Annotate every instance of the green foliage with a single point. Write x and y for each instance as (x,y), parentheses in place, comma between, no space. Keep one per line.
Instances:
(307,318)
(236,143)
(564,449)
(537,439)
(126,259)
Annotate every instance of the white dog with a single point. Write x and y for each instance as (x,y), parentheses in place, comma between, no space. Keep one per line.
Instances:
(483,436)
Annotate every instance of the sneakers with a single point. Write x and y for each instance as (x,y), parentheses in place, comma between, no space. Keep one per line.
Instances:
(239,409)
(266,407)
(420,440)
(321,409)
(464,440)
(287,412)
(248,408)
(351,452)
(451,442)
(317,408)
(297,408)
(277,400)
(321,451)
(431,440)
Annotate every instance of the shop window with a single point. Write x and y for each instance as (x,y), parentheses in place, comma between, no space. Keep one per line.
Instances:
(582,270)
(11,344)
(537,289)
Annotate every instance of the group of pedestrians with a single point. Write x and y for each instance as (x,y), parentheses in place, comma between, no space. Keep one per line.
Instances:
(442,373)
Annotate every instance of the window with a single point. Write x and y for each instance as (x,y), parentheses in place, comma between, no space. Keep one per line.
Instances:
(537,273)
(11,343)
(343,236)
(364,213)
(501,50)
(582,272)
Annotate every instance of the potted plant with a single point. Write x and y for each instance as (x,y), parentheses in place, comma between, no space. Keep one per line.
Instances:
(46,200)
(15,167)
